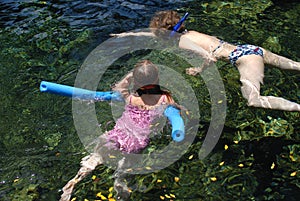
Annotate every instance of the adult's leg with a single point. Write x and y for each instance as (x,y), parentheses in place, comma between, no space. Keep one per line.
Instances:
(280,61)
(251,71)
(251,93)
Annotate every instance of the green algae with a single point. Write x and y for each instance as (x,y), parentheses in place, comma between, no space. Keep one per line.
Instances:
(257,157)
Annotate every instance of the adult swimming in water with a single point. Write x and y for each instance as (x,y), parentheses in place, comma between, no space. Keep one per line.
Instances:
(250,60)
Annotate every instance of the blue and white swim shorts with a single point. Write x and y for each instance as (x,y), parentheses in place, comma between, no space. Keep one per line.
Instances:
(242,50)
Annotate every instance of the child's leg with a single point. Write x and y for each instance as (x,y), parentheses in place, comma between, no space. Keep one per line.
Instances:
(88,164)
(280,61)
(120,185)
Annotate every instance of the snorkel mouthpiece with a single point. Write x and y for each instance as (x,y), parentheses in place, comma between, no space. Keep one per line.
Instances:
(177,26)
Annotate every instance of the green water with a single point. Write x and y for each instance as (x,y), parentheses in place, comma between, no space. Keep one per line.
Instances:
(257,157)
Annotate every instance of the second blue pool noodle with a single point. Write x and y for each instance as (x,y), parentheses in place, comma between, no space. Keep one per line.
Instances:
(173,114)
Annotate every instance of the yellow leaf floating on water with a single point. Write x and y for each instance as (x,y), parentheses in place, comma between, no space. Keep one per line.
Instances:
(213,178)
(73,199)
(225,146)
(102,197)
(172,195)
(272,166)
(162,197)
(167,196)
(236,142)
(292,158)
(293,174)
(109,195)
(159,181)
(241,165)
(94,177)
(222,163)
(176,179)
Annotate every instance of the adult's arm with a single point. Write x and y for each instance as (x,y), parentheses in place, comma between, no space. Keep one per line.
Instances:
(186,43)
(133,34)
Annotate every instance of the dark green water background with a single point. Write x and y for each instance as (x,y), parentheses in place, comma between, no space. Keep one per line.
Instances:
(48,40)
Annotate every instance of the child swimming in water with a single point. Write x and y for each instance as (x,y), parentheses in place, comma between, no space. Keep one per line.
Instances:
(249,60)
(131,133)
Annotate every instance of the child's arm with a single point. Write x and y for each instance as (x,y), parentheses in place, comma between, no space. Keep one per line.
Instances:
(123,85)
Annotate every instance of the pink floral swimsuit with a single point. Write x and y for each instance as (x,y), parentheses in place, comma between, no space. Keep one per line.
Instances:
(132,130)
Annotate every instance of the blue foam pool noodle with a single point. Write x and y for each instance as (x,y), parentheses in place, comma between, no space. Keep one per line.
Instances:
(84,94)
(173,114)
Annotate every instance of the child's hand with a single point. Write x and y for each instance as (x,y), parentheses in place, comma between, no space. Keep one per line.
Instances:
(129,76)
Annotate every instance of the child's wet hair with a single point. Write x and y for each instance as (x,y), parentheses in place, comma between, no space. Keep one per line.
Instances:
(146,79)
(145,73)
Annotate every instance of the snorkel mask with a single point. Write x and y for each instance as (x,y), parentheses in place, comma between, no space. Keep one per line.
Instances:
(177,26)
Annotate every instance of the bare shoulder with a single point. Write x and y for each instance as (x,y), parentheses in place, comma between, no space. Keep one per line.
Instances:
(150,102)
(192,32)
(196,34)
(196,37)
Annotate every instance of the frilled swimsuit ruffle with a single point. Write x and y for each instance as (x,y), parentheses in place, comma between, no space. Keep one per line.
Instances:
(132,130)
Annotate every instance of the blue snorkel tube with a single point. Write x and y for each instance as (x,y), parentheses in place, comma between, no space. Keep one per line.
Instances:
(172,113)
(177,26)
